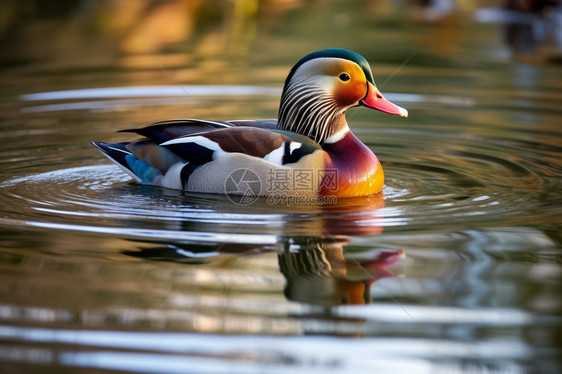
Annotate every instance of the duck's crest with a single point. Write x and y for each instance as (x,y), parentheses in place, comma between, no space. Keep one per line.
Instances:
(335,53)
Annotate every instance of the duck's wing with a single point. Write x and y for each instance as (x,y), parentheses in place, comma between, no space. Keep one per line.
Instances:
(276,146)
(270,124)
(172,150)
(163,131)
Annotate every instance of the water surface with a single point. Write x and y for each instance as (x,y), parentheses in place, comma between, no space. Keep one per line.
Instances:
(454,267)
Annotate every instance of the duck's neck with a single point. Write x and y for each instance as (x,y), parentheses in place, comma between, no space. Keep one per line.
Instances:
(309,112)
(349,153)
(358,169)
(338,135)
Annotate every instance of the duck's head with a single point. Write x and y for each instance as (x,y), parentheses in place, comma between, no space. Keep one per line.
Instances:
(322,86)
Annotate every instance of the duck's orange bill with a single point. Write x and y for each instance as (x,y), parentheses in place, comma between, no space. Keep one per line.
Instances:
(374,99)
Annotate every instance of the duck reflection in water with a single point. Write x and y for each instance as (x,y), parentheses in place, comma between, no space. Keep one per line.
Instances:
(317,272)
(315,268)
(313,244)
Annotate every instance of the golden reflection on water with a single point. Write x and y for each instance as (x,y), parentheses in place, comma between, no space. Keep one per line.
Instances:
(218,32)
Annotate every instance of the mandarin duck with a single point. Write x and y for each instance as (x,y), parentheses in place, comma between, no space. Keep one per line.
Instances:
(308,150)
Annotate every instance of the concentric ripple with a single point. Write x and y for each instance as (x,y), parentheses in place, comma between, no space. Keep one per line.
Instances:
(463,183)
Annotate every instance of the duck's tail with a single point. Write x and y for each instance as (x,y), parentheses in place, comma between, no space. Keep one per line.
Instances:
(117,152)
(148,163)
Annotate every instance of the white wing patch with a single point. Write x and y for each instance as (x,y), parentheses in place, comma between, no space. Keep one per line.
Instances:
(293,146)
(276,156)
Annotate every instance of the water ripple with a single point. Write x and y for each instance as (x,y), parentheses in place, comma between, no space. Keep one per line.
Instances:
(460,186)
(136,352)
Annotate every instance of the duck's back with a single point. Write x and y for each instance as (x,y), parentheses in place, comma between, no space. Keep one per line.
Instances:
(201,156)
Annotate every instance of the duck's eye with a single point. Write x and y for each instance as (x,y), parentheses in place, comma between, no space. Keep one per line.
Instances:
(344,77)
